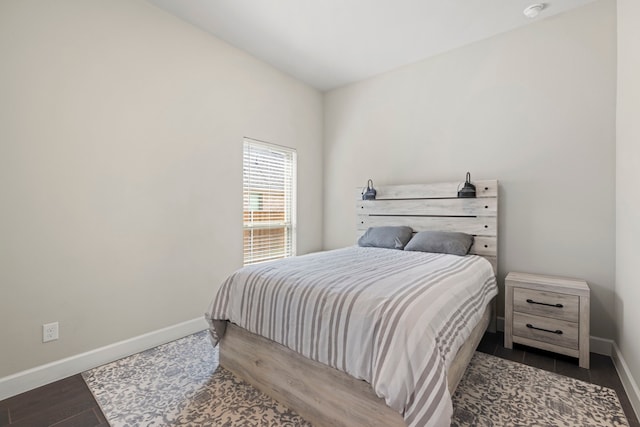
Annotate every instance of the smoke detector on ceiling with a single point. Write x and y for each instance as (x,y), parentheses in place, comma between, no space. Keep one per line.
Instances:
(533,10)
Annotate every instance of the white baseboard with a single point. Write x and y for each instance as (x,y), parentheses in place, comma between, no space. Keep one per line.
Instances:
(628,382)
(601,346)
(54,371)
(596,344)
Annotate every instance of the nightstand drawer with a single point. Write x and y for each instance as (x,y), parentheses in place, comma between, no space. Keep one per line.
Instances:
(547,304)
(556,310)
(552,331)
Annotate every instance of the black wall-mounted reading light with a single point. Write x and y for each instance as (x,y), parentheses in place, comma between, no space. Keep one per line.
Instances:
(469,190)
(369,193)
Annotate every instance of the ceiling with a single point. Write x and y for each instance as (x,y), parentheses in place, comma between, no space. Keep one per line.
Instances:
(330,43)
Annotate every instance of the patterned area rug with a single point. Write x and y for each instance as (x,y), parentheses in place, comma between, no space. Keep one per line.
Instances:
(177,384)
(498,392)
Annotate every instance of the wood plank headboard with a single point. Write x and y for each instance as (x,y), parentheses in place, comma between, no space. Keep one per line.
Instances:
(437,207)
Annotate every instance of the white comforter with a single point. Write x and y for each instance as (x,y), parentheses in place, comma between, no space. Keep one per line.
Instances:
(395,319)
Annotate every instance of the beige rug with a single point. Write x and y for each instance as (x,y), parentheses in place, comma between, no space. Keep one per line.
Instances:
(177,384)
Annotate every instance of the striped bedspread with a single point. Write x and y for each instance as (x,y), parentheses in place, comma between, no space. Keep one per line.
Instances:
(395,319)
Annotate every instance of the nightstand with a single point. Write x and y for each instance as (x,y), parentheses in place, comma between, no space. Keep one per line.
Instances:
(547,312)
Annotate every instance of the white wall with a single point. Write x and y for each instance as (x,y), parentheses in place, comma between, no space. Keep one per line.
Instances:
(627,190)
(534,108)
(121,170)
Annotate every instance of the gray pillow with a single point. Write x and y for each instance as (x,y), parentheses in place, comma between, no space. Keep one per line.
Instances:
(391,237)
(442,242)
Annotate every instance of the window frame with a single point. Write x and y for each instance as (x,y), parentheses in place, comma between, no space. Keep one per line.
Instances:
(255,250)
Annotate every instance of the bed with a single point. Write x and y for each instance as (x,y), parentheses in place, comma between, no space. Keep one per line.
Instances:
(335,348)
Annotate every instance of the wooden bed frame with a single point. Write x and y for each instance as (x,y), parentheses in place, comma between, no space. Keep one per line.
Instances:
(325,396)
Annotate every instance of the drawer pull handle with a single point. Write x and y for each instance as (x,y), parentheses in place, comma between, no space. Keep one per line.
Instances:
(530,301)
(557,331)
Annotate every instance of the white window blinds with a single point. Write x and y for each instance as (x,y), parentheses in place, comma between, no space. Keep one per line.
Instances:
(269,188)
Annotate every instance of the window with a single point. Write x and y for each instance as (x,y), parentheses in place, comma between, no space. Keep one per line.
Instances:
(269,188)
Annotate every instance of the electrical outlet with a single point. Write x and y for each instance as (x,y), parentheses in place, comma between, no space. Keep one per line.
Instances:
(50,332)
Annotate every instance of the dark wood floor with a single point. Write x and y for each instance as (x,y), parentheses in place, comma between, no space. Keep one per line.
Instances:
(69,403)
(64,403)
